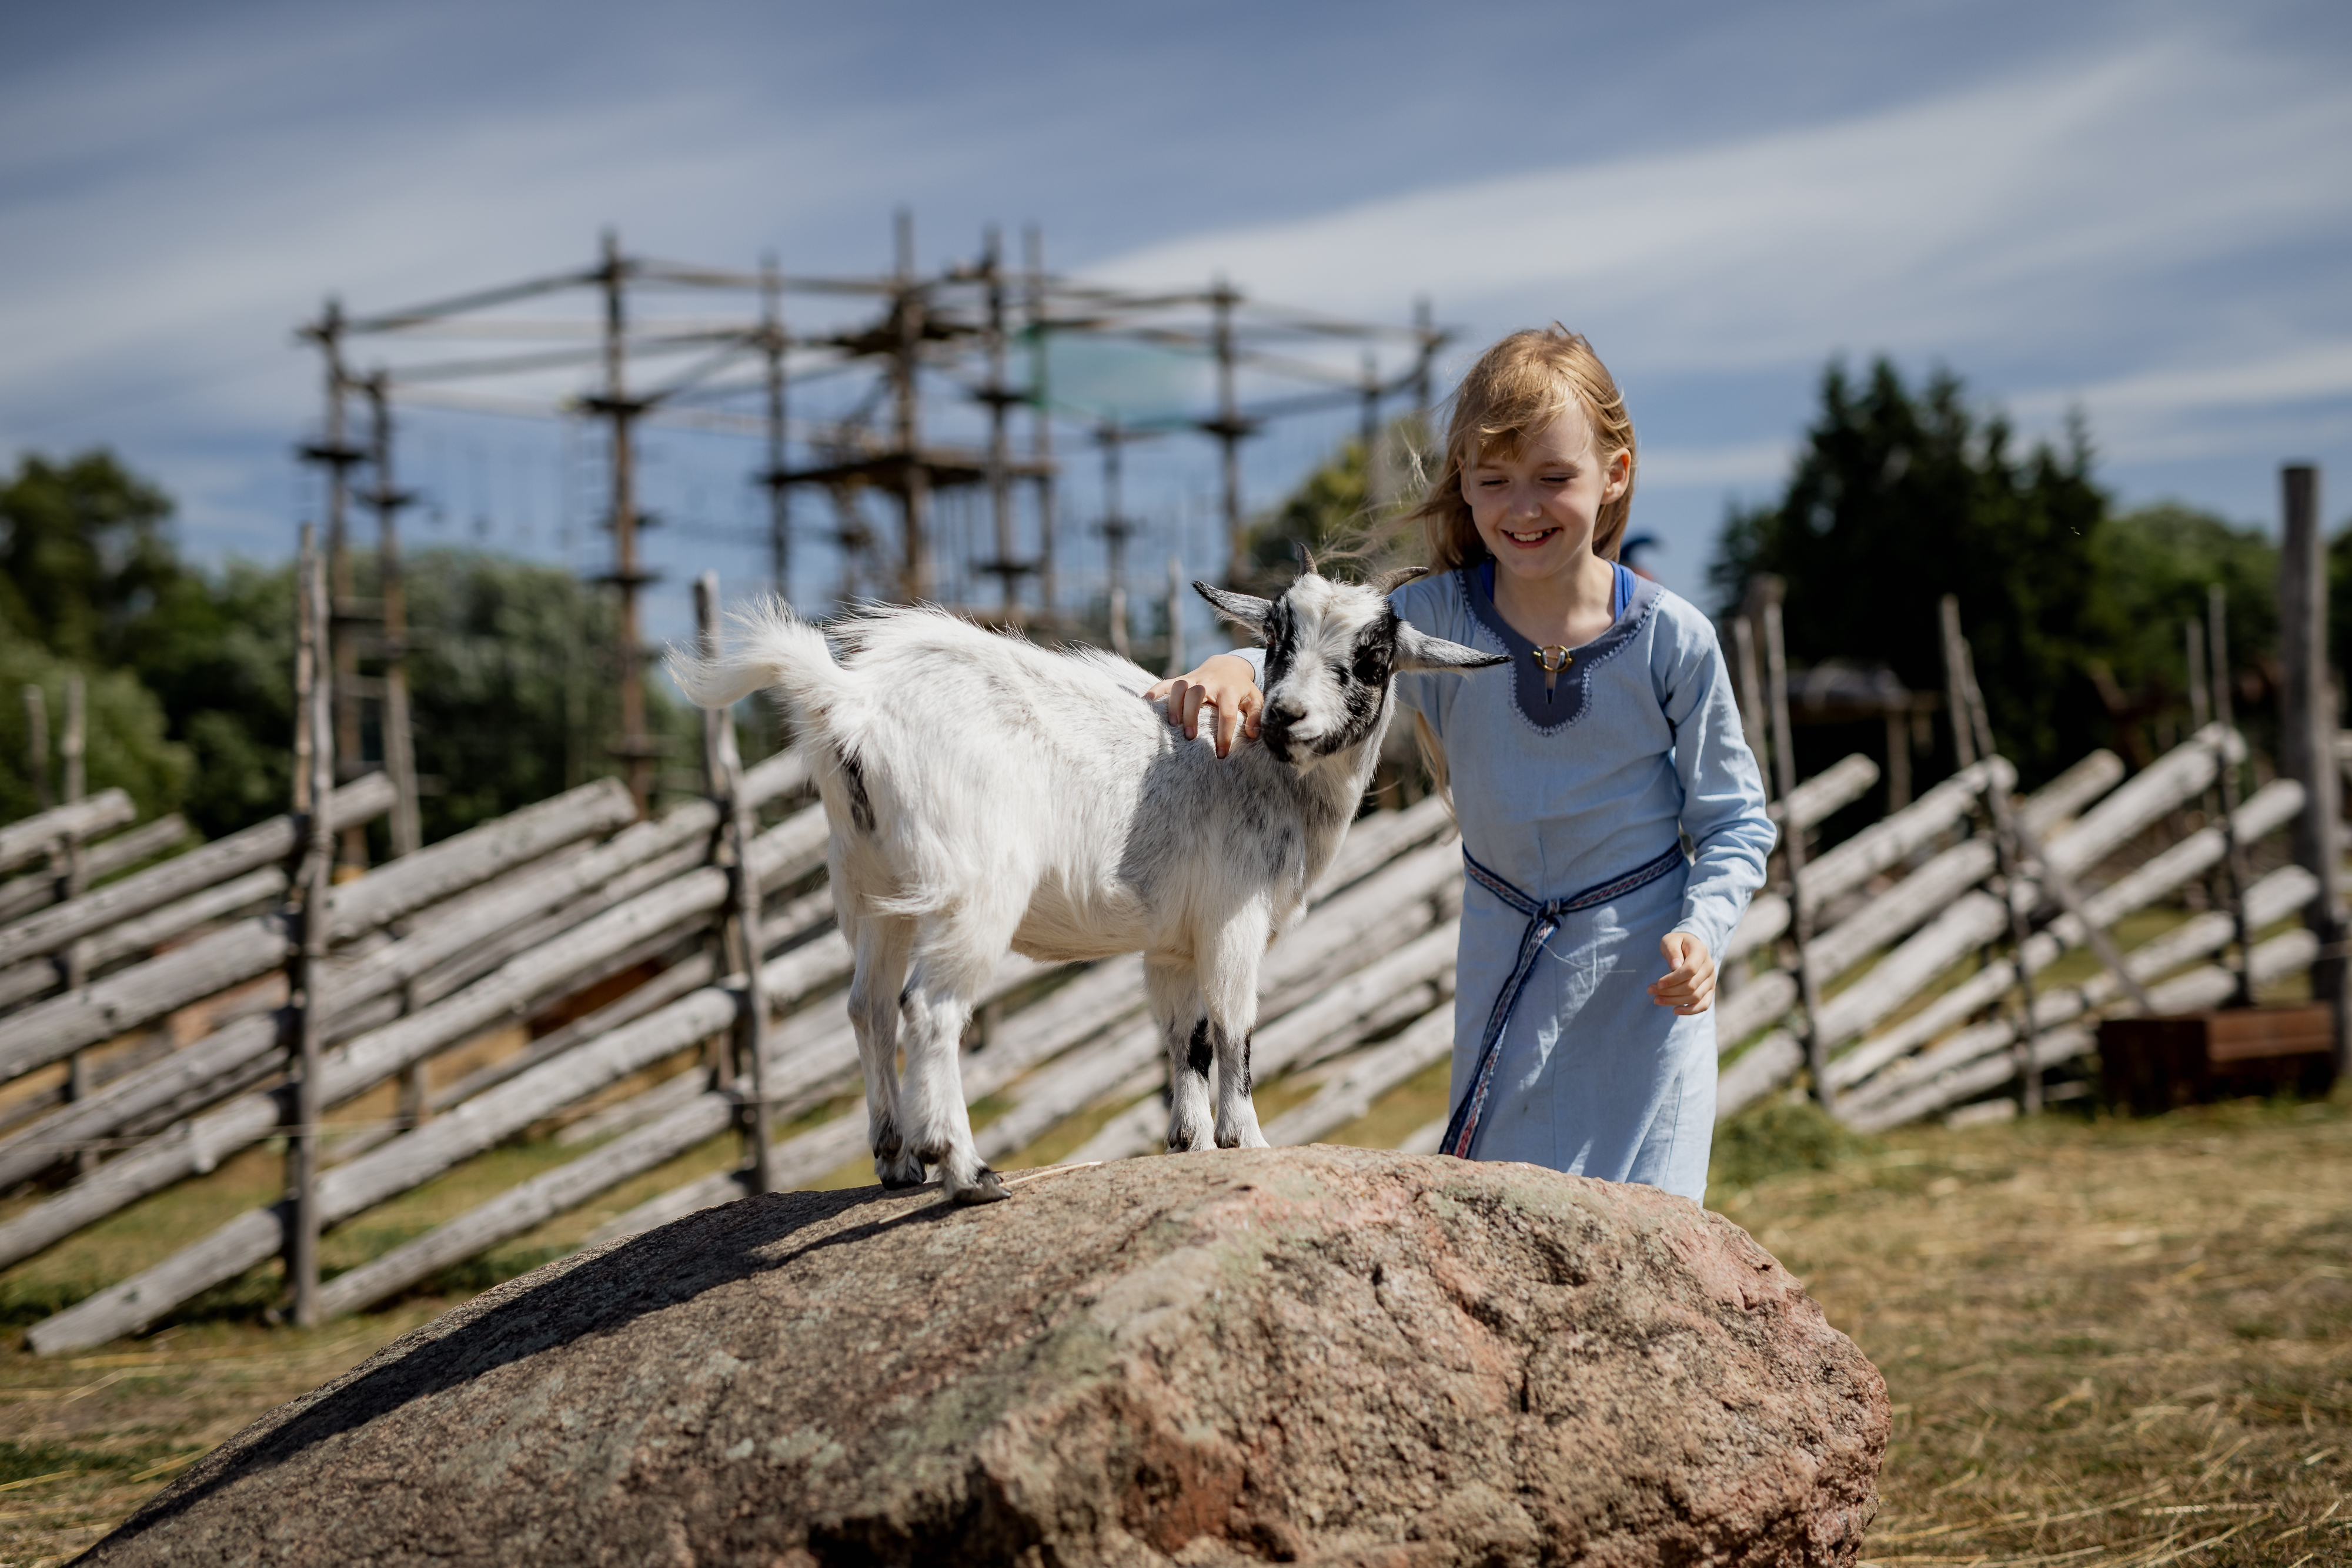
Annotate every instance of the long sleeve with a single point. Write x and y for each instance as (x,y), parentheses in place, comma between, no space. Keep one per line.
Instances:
(1723,789)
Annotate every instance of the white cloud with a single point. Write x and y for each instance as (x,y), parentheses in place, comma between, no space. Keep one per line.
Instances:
(2028,219)
(1735,465)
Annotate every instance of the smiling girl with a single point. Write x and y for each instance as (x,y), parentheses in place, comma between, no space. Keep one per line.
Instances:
(1578,777)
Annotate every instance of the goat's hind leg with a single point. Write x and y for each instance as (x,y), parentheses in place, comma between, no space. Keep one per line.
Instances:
(882,942)
(952,961)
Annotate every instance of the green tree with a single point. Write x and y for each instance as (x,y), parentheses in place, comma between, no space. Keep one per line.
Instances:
(191,674)
(1901,497)
(126,745)
(516,698)
(2155,566)
(84,559)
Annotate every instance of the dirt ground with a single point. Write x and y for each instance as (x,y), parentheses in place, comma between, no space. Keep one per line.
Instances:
(2109,1342)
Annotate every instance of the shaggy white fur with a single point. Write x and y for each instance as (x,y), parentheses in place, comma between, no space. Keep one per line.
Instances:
(985,793)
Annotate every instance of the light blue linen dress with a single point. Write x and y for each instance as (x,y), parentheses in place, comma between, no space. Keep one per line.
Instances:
(1637,746)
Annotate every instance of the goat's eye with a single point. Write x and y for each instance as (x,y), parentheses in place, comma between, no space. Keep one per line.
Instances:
(1371,664)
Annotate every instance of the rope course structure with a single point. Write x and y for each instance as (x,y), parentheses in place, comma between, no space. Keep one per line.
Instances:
(891,397)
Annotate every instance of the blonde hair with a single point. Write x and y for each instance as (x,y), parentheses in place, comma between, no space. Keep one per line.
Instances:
(1514,391)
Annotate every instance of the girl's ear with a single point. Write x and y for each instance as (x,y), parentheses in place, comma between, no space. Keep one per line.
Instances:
(1244,610)
(1416,650)
(1621,476)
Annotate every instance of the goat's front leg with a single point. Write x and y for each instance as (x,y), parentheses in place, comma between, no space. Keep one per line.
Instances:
(1185,1030)
(881,943)
(1228,981)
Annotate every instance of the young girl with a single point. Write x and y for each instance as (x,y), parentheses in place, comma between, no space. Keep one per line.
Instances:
(1577,773)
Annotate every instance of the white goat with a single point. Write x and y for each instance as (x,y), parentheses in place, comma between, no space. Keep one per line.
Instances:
(985,794)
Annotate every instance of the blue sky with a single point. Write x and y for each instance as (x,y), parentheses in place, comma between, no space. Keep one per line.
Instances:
(2143,211)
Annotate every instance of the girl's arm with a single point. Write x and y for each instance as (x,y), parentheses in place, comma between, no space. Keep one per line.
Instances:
(1225,681)
(1723,791)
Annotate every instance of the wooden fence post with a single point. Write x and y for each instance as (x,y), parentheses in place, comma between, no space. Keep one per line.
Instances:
(1793,851)
(315,783)
(740,935)
(1972,732)
(2307,728)
(2217,630)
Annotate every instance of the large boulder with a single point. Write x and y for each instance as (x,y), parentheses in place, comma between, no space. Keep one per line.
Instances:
(1318,1355)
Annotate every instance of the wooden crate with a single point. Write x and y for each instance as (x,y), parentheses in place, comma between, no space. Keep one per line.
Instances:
(2154,1064)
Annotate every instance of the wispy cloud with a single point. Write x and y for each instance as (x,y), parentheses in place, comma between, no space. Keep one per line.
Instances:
(2138,209)
(2040,218)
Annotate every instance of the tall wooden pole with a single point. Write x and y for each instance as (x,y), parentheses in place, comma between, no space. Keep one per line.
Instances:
(399,737)
(2308,725)
(337,452)
(2201,692)
(1428,340)
(1040,426)
(1793,851)
(2217,632)
(1229,428)
(999,396)
(772,346)
(1177,600)
(635,747)
(315,773)
(739,936)
(915,479)
(37,747)
(1114,531)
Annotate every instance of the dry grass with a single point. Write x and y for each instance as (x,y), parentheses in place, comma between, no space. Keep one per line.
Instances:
(2109,1342)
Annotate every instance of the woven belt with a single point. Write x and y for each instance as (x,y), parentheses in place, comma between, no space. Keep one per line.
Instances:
(1543,919)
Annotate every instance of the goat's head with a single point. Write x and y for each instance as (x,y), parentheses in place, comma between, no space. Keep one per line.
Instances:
(1330,650)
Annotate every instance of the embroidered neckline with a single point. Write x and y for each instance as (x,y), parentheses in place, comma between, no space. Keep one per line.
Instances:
(1565,702)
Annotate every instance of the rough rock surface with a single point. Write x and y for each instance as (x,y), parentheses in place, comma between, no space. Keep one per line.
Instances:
(1318,1355)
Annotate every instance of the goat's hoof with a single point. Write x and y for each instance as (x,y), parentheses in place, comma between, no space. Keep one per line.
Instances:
(987,1188)
(899,1171)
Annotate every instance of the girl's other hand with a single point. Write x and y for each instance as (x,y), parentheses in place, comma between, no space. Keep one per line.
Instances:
(1222,682)
(1688,986)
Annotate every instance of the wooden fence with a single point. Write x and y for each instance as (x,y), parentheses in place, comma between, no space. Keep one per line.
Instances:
(684,982)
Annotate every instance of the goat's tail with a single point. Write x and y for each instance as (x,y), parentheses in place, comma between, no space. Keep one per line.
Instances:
(773,647)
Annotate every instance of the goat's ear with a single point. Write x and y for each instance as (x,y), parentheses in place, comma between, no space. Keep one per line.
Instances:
(1244,610)
(1419,651)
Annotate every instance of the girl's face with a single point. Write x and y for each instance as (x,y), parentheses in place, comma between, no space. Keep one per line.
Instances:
(1535,510)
